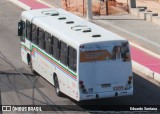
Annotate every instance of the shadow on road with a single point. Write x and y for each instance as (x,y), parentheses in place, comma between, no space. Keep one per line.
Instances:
(145,93)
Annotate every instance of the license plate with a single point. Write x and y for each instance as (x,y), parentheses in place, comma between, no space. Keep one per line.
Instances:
(117,88)
(106,85)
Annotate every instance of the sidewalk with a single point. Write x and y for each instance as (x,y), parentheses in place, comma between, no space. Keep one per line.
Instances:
(141,32)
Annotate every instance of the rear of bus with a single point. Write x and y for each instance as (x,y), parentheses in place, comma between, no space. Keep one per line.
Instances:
(105,70)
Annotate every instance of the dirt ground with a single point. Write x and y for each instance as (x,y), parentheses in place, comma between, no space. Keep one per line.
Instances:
(114,6)
(98,7)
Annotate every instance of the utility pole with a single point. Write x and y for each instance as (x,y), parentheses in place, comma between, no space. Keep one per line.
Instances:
(107,12)
(132,4)
(83,8)
(89,10)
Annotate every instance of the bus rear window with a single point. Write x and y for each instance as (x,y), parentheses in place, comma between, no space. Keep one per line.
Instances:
(101,52)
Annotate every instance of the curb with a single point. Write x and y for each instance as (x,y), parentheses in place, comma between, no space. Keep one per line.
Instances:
(135,65)
(143,69)
(20,4)
(146,71)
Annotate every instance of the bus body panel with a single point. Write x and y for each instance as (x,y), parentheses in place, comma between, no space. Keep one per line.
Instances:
(24,53)
(105,94)
(97,73)
(46,67)
(101,75)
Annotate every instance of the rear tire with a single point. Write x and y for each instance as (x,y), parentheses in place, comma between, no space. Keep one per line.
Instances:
(56,84)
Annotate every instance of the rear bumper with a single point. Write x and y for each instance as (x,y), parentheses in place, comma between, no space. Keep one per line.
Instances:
(106,94)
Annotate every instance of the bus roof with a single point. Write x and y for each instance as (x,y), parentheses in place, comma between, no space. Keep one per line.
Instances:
(69,27)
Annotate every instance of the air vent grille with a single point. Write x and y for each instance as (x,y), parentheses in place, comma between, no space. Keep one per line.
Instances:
(96,35)
(86,30)
(62,18)
(69,22)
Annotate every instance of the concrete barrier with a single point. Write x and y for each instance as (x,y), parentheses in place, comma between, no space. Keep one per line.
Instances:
(149,15)
(156,20)
(142,69)
(142,14)
(136,11)
(157,76)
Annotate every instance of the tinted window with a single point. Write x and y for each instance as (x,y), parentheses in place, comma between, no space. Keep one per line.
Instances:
(56,46)
(48,43)
(40,34)
(63,53)
(34,34)
(72,58)
(28,30)
(23,31)
(23,26)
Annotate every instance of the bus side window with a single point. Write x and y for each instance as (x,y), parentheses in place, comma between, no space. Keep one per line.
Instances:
(33,34)
(41,38)
(23,31)
(24,28)
(63,53)
(72,58)
(56,46)
(48,43)
(28,30)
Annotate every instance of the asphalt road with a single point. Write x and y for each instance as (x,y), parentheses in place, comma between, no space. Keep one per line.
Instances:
(31,89)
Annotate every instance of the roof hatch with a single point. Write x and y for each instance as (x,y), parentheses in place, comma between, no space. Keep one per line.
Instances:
(51,12)
(82,28)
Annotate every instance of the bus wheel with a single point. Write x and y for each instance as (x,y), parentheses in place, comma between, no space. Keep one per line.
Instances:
(56,84)
(31,67)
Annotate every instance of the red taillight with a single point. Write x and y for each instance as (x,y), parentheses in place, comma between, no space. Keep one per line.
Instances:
(82,87)
(80,82)
(130,78)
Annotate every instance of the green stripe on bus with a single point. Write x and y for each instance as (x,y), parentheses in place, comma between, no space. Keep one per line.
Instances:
(33,46)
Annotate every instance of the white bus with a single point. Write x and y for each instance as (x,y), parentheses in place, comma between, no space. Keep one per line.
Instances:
(81,59)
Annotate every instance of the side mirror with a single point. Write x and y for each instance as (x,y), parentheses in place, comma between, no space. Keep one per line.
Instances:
(20,28)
